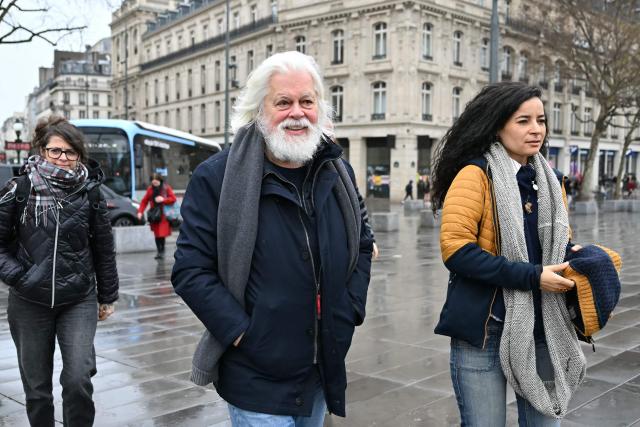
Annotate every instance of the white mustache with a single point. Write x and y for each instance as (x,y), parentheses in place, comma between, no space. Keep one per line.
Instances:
(293,123)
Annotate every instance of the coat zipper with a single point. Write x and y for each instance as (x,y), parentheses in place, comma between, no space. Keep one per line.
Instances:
(496,228)
(317,298)
(55,256)
(318,304)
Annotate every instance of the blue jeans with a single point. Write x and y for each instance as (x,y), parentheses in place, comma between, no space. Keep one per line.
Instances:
(34,329)
(481,387)
(241,418)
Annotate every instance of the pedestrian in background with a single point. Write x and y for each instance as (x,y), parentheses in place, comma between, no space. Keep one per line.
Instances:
(408,191)
(158,195)
(505,309)
(274,255)
(57,256)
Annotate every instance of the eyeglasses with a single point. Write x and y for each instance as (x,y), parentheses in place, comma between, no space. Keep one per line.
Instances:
(56,152)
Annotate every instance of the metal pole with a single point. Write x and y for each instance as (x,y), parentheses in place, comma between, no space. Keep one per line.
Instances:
(86,75)
(126,74)
(18,141)
(495,42)
(226,81)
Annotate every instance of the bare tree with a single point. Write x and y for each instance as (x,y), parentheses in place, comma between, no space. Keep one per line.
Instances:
(599,40)
(632,123)
(15,30)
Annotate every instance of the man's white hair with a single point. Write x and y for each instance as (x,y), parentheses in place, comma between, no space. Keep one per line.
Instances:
(251,101)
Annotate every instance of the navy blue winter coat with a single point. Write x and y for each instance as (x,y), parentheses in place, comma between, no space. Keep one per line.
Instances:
(269,370)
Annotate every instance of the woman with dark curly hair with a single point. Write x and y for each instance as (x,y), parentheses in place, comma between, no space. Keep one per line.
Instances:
(57,257)
(504,237)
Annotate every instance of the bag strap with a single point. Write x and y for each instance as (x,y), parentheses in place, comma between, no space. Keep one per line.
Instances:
(23,187)
(94,202)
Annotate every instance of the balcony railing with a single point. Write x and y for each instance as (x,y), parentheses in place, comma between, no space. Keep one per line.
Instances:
(576,90)
(457,63)
(215,41)
(575,133)
(427,57)
(524,79)
(378,56)
(558,87)
(377,116)
(427,117)
(543,84)
(506,77)
(557,131)
(337,119)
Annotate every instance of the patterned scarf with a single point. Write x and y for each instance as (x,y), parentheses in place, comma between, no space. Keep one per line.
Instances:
(50,185)
(517,346)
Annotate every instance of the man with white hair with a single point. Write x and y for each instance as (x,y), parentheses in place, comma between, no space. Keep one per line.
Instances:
(273,255)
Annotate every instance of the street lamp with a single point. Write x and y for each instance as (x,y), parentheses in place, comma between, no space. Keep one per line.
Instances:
(17,128)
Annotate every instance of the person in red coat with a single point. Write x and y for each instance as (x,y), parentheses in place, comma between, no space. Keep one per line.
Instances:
(158,194)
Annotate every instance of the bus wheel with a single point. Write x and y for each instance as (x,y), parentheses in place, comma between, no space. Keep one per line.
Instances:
(123,221)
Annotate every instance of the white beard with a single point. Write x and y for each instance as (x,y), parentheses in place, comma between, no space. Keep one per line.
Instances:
(296,149)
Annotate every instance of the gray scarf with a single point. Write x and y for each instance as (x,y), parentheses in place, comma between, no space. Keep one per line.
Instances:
(517,346)
(238,227)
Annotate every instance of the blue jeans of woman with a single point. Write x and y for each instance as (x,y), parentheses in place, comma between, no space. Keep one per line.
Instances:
(481,387)
(241,418)
(34,329)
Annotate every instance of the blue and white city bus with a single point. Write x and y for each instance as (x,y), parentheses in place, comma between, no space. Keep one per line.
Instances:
(129,152)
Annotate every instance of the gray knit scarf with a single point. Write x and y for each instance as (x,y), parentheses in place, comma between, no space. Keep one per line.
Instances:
(238,227)
(517,347)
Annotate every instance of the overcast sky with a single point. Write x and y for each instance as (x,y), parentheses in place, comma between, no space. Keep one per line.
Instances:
(20,62)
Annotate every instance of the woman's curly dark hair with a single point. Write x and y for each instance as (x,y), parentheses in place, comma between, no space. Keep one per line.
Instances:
(59,126)
(474,131)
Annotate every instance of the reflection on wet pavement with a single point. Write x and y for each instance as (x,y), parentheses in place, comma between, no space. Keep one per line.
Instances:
(398,369)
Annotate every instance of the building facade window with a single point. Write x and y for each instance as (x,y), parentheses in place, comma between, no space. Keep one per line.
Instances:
(217,115)
(426,101)
(95,99)
(203,118)
(557,77)
(274,8)
(588,124)
(166,88)
(96,114)
(254,13)
(190,119)
(82,114)
(203,79)
(574,120)
(301,44)
(82,100)
(427,41)
(236,20)
(216,75)
(484,54)
(523,67)
(338,46)
(177,85)
(379,40)
(337,94)
(379,100)
(109,100)
(456,94)
(268,51)
(178,119)
(146,94)
(189,83)
(66,97)
(557,117)
(457,48)
(507,65)
(249,61)
(221,26)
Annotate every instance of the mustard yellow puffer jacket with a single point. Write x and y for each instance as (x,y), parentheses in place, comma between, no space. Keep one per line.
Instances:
(470,244)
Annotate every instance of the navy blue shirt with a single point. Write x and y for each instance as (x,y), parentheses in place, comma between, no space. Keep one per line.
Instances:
(526,177)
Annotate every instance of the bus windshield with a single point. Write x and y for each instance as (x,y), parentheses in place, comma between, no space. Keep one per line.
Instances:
(110,148)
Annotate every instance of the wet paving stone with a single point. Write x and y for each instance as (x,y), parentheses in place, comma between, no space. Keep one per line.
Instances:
(398,369)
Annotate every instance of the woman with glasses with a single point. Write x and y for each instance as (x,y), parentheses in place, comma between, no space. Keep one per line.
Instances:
(57,257)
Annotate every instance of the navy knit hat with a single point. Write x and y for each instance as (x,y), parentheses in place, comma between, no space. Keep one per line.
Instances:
(594,269)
